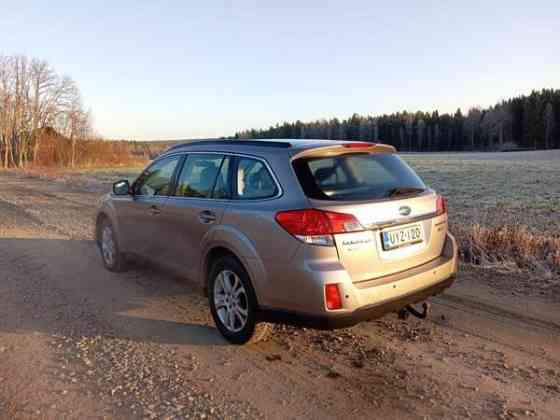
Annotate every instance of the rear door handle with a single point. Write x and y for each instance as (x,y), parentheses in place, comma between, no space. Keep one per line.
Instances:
(154,210)
(206,217)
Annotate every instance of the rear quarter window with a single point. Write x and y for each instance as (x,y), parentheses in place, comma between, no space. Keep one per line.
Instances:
(253,180)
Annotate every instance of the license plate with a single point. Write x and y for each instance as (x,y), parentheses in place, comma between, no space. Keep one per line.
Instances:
(397,238)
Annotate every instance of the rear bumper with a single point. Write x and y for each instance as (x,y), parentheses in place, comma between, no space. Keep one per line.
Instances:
(331,322)
(375,298)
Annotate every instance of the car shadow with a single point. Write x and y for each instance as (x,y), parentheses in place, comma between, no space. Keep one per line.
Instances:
(59,286)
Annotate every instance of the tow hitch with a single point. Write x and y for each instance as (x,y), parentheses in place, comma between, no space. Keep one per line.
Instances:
(405,312)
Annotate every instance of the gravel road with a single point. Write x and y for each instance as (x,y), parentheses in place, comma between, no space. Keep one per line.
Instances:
(78,342)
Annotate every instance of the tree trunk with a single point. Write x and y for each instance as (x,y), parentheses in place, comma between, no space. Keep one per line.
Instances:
(73,156)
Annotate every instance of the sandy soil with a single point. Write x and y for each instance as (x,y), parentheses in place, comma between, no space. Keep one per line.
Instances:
(79,342)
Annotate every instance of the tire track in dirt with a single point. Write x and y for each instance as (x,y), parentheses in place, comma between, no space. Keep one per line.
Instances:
(469,305)
(546,333)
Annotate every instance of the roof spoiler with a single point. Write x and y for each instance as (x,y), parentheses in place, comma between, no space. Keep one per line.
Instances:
(348,147)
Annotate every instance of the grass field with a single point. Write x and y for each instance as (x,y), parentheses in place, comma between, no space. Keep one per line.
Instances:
(496,188)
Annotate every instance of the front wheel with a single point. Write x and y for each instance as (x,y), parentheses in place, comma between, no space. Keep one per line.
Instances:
(113,259)
(233,302)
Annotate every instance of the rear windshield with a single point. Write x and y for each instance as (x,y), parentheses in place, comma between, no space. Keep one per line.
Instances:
(357,176)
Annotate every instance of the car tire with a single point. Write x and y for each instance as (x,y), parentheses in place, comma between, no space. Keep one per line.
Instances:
(113,259)
(233,302)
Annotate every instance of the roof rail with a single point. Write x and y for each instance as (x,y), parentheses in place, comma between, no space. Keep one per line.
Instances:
(258,143)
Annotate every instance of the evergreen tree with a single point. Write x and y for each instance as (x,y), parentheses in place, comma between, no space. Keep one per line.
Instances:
(531,121)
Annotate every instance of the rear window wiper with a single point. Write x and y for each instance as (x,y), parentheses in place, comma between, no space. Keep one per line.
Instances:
(404,191)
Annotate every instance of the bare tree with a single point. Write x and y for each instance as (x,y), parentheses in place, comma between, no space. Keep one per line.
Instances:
(33,97)
(44,84)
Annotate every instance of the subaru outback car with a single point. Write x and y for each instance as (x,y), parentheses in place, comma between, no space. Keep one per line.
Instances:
(319,233)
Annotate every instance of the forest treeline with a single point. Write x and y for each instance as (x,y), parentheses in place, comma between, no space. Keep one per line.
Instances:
(527,122)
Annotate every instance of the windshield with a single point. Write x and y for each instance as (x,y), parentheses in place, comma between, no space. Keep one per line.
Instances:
(357,176)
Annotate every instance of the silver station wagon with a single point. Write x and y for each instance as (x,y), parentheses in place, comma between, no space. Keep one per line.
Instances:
(317,233)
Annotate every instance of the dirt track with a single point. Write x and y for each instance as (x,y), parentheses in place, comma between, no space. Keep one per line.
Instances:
(79,342)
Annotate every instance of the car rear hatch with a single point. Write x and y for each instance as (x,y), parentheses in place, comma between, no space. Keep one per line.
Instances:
(400,224)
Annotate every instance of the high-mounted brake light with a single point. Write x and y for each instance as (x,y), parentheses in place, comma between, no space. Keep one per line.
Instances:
(332,297)
(441,205)
(358,145)
(317,226)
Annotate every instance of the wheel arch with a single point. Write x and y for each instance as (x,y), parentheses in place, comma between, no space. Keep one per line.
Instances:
(220,250)
(215,252)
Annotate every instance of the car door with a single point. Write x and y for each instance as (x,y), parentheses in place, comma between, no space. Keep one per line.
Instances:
(201,195)
(140,220)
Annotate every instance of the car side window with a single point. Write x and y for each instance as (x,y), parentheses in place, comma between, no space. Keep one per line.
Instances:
(254,180)
(156,179)
(198,176)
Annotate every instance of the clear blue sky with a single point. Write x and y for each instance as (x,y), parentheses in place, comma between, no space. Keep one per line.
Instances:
(182,69)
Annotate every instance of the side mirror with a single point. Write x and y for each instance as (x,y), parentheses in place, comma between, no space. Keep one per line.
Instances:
(121,187)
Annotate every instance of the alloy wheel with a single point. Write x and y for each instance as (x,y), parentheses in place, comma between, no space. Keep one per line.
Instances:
(108,245)
(231,301)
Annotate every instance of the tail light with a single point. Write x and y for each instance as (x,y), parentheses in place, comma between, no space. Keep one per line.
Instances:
(441,206)
(317,226)
(332,297)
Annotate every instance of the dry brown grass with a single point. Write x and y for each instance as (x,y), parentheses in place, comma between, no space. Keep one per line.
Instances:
(56,151)
(510,248)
